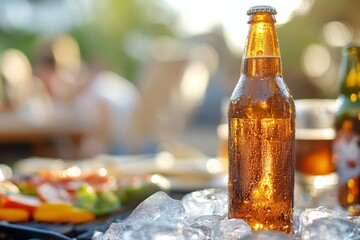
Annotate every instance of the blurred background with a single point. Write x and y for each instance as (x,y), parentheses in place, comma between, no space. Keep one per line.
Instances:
(82,77)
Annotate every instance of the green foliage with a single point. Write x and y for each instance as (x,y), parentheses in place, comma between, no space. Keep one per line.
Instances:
(105,37)
(106,34)
(18,39)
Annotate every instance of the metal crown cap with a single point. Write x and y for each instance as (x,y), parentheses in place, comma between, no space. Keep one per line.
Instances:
(261,8)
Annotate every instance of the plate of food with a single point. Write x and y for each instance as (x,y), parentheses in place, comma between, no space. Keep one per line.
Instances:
(69,194)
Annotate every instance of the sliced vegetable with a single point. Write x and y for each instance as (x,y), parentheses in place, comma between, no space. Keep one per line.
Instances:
(7,187)
(50,193)
(14,215)
(25,202)
(61,212)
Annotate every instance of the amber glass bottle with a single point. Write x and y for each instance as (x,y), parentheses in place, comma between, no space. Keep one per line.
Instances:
(261,132)
(346,145)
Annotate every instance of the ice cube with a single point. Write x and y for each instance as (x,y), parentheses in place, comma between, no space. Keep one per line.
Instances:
(267,235)
(330,229)
(153,231)
(296,218)
(355,220)
(211,201)
(114,232)
(208,220)
(206,223)
(311,214)
(163,231)
(189,233)
(158,207)
(97,235)
(230,229)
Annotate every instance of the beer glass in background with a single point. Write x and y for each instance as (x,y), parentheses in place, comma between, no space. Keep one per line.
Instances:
(222,133)
(316,176)
(223,151)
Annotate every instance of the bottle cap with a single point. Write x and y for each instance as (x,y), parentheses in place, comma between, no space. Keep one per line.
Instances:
(261,8)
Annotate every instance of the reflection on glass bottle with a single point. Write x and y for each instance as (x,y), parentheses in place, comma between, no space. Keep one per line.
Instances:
(346,144)
(261,132)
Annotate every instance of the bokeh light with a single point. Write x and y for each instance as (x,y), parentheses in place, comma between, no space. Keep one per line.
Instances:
(15,67)
(67,53)
(194,83)
(316,60)
(337,34)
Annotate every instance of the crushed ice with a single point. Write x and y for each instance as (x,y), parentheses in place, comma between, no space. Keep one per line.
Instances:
(202,215)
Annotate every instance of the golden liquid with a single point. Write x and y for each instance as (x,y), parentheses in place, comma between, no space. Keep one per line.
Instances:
(261,173)
(261,148)
(223,146)
(314,157)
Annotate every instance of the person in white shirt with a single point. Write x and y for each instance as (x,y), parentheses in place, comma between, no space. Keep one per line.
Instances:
(347,152)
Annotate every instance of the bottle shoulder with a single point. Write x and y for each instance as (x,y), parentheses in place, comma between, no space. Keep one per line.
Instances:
(257,88)
(262,104)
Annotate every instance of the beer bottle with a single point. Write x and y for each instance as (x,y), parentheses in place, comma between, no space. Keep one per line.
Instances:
(347,124)
(261,119)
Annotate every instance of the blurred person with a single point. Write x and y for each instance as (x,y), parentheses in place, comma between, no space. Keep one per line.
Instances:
(347,151)
(25,93)
(98,101)
(56,70)
(26,105)
(118,98)
(74,111)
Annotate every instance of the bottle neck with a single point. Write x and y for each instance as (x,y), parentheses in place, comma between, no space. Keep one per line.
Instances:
(262,40)
(262,47)
(350,74)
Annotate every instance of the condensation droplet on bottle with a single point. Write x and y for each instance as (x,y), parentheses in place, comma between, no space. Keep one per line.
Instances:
(260,52)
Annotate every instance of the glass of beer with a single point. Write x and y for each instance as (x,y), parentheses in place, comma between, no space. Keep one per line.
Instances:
(222,134)
(315,170)
(222,151)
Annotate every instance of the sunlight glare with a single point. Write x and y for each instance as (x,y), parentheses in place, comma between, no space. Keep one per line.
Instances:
(165,160)
(72,172)
(202,16)
(102,172)
(214,166)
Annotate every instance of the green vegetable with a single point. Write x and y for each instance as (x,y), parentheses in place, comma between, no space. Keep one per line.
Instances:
(27,189)
(86,197)
(98,203)
(106,203)
(133,195)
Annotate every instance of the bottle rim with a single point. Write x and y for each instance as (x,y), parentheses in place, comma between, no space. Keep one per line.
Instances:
(261,8)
